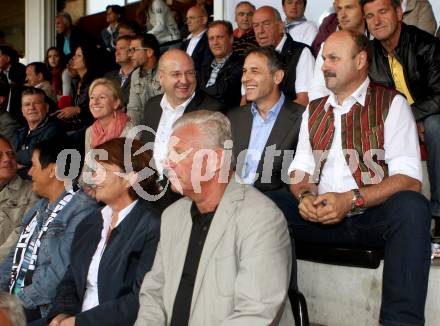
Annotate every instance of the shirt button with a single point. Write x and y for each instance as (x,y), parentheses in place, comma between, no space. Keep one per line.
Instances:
(205,228)
(200,243)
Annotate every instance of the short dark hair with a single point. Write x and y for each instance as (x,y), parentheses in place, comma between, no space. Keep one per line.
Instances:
(305,3)
(40,68)
(125,38)
(273,57)
(362,43)
(225,23)
(139,161)
(132,25)
(10,52)
(394,3)
(118,10)
(149,41)
(49,149)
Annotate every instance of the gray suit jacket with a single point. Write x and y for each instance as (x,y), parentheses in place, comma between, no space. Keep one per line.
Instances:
(284,137)
(244,270)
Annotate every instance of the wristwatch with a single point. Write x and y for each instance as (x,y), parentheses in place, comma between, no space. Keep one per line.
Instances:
(357,202)
(304,194)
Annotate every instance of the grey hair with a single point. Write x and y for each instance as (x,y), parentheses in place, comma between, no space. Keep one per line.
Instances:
(13,308)
(245,3)
(66,16)
(214,126)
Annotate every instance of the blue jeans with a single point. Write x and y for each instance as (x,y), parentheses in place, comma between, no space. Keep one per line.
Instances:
(432,144)
(402,226)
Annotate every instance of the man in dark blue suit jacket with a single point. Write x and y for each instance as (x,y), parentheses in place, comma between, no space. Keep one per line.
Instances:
(196,44)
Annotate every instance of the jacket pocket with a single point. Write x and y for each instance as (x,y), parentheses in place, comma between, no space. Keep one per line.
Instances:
(226,273)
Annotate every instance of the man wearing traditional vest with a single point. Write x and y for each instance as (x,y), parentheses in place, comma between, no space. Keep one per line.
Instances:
(356,177)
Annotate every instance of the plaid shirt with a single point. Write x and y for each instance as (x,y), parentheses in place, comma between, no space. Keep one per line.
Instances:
(216,67)
(144,85)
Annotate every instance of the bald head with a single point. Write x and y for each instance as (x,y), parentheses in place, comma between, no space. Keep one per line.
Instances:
(268,26)
(345,67)
(196,19)
(177,76)
(175,55)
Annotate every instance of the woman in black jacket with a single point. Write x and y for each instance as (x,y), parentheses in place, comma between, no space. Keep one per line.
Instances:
(112,252)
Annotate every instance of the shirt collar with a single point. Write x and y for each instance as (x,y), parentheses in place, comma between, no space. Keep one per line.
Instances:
(190,36)
(359,95)
(121,73)
(274,110)
(107,212)
(280,45)
(166,106)
(109,29)
(143,73)
(295,22)
(404,5)
(222,61)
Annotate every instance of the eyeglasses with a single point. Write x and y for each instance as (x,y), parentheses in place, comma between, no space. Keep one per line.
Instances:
(131,50)
(179,74)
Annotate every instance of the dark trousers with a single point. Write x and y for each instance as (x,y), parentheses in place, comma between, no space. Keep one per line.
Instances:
(401,226)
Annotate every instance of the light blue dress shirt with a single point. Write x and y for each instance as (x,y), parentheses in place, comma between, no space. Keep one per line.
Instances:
(261,129)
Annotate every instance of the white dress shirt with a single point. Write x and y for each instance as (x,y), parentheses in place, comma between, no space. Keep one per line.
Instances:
(317,85)
(401,144)
(304,68)
(193,42)
(165,128)
(91,297)
(304,32)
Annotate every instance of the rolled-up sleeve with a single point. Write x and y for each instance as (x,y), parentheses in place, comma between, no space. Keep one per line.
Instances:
(401,141)
(303,159)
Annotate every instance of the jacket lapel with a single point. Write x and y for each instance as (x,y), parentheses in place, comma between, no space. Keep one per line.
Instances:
(225,210)
(279,132)
(243,133)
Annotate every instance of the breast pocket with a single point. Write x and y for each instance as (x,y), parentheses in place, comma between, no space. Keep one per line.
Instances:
(55,229)
(226,274)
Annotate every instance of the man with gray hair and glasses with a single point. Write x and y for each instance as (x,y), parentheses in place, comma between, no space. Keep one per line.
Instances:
(224,255)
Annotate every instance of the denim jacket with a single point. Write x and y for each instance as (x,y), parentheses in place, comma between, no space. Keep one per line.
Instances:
(53,254)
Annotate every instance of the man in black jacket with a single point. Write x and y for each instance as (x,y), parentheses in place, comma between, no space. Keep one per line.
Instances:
(68,36)
(196,44)
(13,73)
(408,59)
(221,77)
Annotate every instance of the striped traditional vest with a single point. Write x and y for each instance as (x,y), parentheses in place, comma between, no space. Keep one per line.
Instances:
(362,133)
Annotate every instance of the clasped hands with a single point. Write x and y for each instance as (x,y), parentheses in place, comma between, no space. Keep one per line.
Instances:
(328,208)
